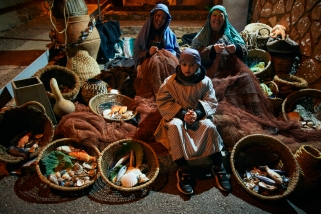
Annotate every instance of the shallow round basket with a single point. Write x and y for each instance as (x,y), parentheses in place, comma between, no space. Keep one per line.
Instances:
(91,150)
(258,55)
(103,101)
(64,76)
(295,97)
(286,161)
(108,155)
(16,120)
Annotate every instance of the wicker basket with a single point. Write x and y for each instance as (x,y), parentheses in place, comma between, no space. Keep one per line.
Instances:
(64,76)
(91,150)
(285,161)
(101,101)
(108,155)
(282,62)
(288,83)
(258,55)
(289,103)
(16,120)
(256,35)
(276,102)
(309,160)
(92,87)
(84,65)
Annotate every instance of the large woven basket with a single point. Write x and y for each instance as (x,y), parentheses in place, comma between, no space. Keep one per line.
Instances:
(109,100)
(258,55)
(64,76)
(288,83)
(282,63)
(296,97)
(108,155)
(84,65)
(256,35)
(15,120)
(90,149)
(284,161)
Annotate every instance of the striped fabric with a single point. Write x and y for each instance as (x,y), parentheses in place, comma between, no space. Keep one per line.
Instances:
(192,142)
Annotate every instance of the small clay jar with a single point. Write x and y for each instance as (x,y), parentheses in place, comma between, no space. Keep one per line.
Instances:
(93,87)
(62,106)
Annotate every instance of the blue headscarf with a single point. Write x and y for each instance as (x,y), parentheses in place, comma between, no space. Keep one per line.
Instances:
(169,38)
(203,36)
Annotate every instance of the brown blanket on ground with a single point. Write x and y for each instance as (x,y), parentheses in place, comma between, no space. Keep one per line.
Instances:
(83,125)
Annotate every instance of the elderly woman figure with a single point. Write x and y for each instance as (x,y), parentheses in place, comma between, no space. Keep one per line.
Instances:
(156,52)
(223,50)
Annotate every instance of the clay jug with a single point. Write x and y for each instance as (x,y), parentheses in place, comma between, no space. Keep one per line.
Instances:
(75,26)
(62,106)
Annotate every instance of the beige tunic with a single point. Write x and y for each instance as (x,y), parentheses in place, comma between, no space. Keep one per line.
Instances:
(182,140)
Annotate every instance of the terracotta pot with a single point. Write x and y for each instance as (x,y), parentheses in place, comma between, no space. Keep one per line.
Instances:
(75,25)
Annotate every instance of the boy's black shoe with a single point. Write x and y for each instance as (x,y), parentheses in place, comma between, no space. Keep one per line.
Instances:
(221,178)
(184,181)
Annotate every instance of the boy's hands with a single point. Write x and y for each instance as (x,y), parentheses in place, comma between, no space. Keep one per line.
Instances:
(190,117)
(153,50)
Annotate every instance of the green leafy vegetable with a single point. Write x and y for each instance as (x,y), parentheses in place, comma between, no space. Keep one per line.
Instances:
(56,161)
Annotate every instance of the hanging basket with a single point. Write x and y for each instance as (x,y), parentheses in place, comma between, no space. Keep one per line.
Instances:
(265,150)
(30,116)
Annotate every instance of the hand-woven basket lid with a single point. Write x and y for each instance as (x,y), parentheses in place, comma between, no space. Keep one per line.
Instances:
(84,65)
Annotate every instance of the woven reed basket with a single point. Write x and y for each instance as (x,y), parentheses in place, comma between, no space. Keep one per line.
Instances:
(84,65)
(16,120)
(111,99)
(286,162)
(64,76)
(258,55)
(91,150)
(108,155)
(288,104)
(276,102)
(282,63)
(309,160)
(288,83)
(256,35)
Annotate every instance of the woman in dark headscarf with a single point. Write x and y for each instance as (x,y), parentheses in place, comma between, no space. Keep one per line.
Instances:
(241,102)
(156,51)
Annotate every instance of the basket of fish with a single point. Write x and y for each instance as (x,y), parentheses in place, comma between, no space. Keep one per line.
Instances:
(264,167)
(112,107)
(303,106)
(24,131)
(67,165)
(128,165)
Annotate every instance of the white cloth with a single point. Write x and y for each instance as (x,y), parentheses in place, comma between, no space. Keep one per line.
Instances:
(182,140)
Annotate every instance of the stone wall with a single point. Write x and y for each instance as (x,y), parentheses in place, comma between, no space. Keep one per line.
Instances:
(302,19)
